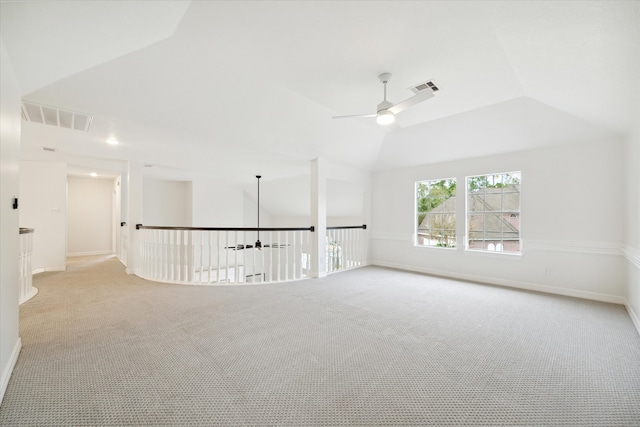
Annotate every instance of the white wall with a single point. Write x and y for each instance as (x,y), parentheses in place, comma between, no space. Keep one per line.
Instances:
(167,203)
(305,221)
(283,221)
(250,213)
(9,244)
(250,219)
(217,205)
(118,219)
(632,225)
(335,221)
(572,221)
(91,222)
(43,194)
(346,200)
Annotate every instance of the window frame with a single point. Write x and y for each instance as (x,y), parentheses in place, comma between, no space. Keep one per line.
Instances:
(467,232)
(416,213)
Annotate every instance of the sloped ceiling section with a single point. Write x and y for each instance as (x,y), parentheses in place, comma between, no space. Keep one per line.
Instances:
(579,57)
(227,87)
(515,125)
(52,40)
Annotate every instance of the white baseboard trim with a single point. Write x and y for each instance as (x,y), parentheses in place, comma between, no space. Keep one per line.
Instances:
(507,283)
(32,293)
(6,373)
(42,270)
(72,254)
(634,317)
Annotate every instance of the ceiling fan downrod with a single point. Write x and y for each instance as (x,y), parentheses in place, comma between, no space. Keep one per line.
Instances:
(258,244)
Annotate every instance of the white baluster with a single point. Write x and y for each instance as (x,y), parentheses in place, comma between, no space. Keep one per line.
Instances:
(236,271)
(201,238)
(284,262)
(226,276)
(219,252)
(210,243)
(349,243)
(273,242)
(279,265)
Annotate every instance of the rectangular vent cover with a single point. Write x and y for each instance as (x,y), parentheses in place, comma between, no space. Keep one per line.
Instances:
(55,117)
(429,84)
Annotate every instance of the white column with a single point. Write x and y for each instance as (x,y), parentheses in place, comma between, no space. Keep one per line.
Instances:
(318,217)
(134,216)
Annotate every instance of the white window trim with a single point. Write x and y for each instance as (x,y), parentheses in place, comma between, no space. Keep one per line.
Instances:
(415,217)
(466,221)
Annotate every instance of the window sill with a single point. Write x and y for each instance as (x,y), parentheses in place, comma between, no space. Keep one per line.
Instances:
(441,248)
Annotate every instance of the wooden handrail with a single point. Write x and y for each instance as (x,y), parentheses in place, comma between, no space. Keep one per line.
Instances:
(344,227)
(157,227)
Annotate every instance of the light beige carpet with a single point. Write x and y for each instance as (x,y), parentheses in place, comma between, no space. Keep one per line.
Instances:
(367,347)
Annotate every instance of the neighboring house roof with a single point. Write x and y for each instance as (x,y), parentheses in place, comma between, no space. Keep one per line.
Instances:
(490,213)
(446,207)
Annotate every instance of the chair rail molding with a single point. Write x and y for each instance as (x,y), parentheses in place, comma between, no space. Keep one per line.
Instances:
(401,237)
(573,246)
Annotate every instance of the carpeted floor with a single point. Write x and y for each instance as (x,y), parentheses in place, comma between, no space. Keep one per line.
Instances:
(367,347)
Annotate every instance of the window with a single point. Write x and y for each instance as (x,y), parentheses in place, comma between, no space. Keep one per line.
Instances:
(436,213)
(493,212)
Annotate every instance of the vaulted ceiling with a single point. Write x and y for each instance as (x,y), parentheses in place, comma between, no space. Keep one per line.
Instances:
(234,88)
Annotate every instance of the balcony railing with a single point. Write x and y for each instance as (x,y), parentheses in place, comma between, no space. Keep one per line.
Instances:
(207,256)
(27,290)
(224,255)
(346,247)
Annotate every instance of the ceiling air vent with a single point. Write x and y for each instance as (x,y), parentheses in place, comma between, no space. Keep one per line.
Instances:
(53,116)
(429,84)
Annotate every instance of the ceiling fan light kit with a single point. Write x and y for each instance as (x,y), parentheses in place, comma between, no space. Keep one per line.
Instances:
(385,117)
(387,111)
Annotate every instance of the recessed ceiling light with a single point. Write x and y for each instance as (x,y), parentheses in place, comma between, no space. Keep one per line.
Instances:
(93,174)
(112,141)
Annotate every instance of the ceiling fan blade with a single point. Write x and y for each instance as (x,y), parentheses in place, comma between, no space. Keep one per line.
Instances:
(275,245)
(354,116)
(239,247)
(422,96)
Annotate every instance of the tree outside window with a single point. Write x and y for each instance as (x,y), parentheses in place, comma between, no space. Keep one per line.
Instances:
(436,213)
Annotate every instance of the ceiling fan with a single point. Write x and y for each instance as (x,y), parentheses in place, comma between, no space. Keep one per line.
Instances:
(386,111)
(258,245)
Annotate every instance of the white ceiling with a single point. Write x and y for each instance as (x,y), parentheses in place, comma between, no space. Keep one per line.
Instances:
(238,88)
